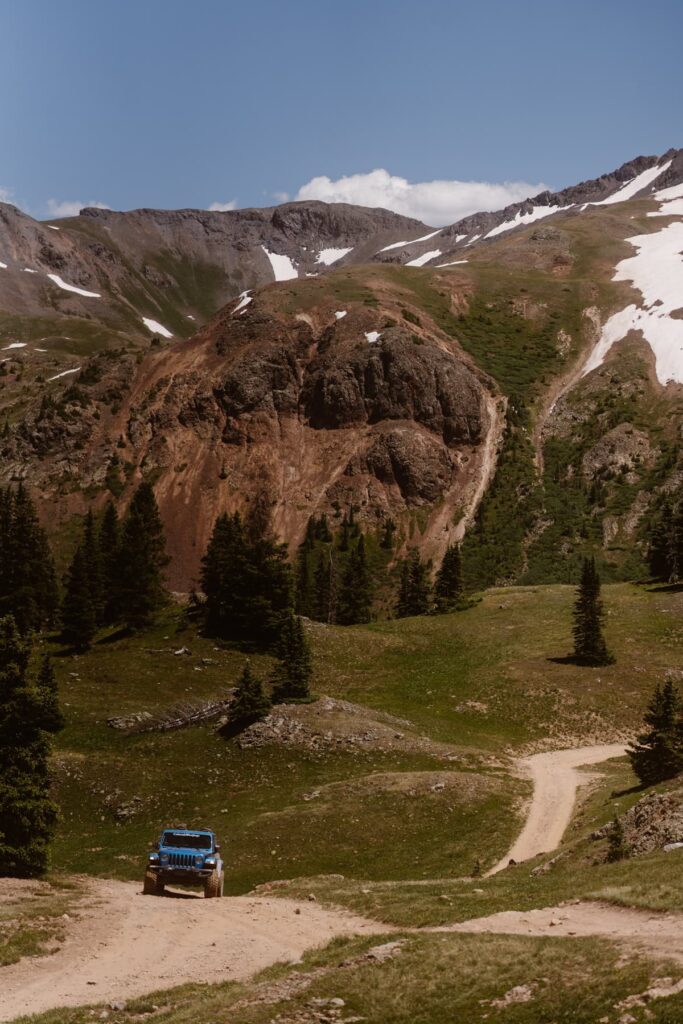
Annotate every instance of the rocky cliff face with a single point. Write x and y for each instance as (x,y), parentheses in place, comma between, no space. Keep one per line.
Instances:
(317,414)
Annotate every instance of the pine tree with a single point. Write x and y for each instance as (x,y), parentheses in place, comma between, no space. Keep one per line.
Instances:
(589,644)
(414,590)
(354,601)
(249,703)
(448,586)
(28,715)
(617,848)
(292,675)
(53,718)
(79,621)
(93,565)
(661,554)
(387,541)
(108,542)
(28,586)
(303,600)
(657,753)
(142,557)
(324,588)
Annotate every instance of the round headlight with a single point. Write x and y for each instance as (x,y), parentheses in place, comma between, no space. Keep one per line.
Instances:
(154,857)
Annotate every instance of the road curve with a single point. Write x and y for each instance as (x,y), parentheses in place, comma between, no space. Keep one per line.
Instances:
(556,778)
(122,944)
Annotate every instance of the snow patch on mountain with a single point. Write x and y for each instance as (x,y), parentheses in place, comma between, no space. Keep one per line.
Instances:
(72,287)
(330,256)
(536,213)
(340,314)
(3,266)
(673,192)
(420,261)
(156,328)
(672,209)
(412,241)
(656,271)
(453,263)
(64,373)
(373,336)
(282,266)
(245,299)
(14,344)
(635,185)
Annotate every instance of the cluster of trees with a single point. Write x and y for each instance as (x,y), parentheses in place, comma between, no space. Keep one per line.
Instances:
(665,549)
(28,582)
(116,573)
(290,681)
(247,582)
(657,753)
(417,595)
(29,716)
(333,579)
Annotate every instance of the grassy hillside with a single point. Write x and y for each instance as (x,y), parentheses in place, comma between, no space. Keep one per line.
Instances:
(476,686)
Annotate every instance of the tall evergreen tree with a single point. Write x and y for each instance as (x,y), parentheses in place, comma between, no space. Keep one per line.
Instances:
(79,620)
(249,703)
(28,586)
(661,553)
(93,564)
(657,753)
(142,558)
(293,672)
(414,590)
(53,718)
(388,531)
(448,586)
(29,714)
(324,588)
(589,644)
(108,543)
(354,600)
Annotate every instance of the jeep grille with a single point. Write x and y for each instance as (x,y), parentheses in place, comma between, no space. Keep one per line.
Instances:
(181,860)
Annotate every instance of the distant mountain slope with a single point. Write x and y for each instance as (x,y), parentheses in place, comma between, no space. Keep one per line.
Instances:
(531,385)
(174,268)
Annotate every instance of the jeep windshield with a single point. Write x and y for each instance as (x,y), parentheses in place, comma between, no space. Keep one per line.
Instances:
(186,840)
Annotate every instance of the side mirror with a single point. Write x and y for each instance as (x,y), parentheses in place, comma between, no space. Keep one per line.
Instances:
(153,846)
(218,847)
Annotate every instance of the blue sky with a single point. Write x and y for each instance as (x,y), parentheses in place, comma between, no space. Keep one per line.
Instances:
(180,103)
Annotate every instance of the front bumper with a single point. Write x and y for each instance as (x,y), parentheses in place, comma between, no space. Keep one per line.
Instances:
(181,875)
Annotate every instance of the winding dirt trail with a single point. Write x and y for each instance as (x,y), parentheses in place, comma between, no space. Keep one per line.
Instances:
(124,945)
(556,780)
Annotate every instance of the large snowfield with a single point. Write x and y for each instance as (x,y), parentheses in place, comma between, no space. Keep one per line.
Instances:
(72,287)
(282,266)
(656,271)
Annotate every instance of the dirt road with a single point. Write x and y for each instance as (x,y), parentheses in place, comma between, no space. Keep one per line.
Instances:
(125,944)
(556,780)
(657,934)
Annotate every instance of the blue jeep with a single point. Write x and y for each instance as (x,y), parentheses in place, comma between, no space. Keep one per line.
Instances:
(185,856)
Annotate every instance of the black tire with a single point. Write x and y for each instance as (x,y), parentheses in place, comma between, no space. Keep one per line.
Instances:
(213,886)
(150,885)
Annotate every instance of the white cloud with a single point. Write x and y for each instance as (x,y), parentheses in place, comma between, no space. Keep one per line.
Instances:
(6,195)
(223,207)
(282,197)
(434,202)
(71,207)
